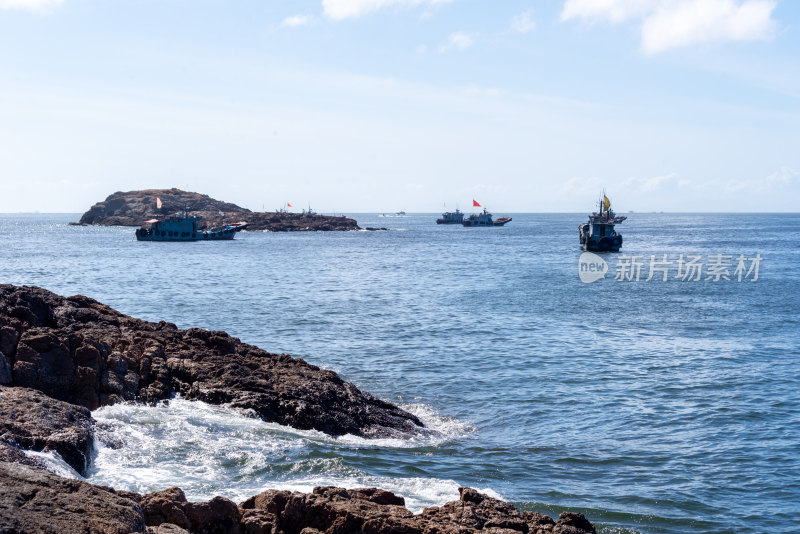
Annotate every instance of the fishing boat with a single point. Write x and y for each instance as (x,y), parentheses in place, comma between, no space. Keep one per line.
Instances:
(599,234)
(451,217)
(184,227)
(484,219)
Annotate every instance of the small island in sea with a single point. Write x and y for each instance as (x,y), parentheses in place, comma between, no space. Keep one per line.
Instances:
(134,208)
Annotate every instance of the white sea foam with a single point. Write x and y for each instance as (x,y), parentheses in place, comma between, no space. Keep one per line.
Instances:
(213,450)
(53,462)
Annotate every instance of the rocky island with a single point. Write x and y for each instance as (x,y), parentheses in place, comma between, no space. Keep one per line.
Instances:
(62,357)
(133,208)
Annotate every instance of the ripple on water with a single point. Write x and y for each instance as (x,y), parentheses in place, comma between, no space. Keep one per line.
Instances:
(684,396)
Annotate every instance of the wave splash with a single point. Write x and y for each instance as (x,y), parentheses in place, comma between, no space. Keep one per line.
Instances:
(211,450)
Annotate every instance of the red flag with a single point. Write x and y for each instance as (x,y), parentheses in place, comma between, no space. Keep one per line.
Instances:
(475,204)
(288,204)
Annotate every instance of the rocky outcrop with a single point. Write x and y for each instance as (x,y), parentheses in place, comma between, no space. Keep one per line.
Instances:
(33,421)
(36,501)
(219,515)
(133,208)
(330,510)
(68,355)
(80,351)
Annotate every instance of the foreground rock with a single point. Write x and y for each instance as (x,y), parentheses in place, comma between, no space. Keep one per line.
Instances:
(330,510)
(133,208)
(35,501)
(83,352)
(33,421)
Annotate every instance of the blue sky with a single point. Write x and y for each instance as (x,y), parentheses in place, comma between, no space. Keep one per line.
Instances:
(382,105)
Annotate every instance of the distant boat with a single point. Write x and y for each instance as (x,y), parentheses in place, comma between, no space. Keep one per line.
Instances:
(484,219)
(401,213)
(451,217)
(184,228)
(598,234)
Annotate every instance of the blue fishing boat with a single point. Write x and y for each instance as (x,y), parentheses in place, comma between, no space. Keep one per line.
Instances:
(599,234)
(484,219)
(451,217)
(185,228)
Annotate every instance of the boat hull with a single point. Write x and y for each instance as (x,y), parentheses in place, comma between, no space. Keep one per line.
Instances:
(594,247)
(185,229)
(469,223)
(222,235)
(594,243)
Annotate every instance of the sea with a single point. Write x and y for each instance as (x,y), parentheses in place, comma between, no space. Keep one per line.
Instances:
(654,390)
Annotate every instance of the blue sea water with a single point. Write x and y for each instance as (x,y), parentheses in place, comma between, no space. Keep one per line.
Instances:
(649,406)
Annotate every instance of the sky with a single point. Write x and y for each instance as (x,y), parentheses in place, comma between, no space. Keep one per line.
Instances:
(387,105)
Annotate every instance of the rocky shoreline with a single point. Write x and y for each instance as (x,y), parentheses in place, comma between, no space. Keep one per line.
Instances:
(133,208)
(62,357)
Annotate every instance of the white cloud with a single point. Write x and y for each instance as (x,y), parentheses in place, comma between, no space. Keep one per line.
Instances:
(456,41)
(523,23)
(42,6)
(647,185)
(611,10)
(670,24)
(296,20)
(345,9)
(784,177)
(580,186)
(687,23)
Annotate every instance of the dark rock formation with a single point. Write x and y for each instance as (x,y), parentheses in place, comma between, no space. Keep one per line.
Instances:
(133,208)
(331,510)
(10,453)
(36,501)
(83,352)
(31,420)
(219,515)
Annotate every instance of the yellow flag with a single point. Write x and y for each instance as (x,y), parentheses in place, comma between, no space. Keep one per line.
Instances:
(606,203)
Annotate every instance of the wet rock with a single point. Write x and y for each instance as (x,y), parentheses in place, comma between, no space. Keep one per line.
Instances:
(33,500)
(255,521)
(80,351)
(11,453)
(166,506)
(332,510)
(32,420)
(217,516)
(167,528)
(538,523)
(572,523)
(5,370)
(329,510)
(36,501)
(8,340)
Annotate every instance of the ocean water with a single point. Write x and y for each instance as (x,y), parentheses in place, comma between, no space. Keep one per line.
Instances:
(650,406)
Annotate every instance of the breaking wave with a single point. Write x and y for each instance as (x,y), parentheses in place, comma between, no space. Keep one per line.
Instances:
(213,450)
